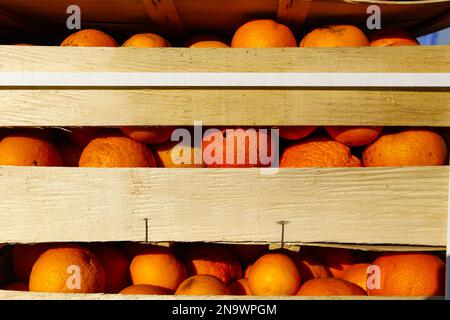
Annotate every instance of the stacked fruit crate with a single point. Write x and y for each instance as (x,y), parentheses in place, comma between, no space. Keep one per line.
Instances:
(401,208)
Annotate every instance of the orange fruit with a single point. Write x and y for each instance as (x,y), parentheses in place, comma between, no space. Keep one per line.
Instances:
(202,37)
(330,287)
(357,274)
(28,150)
(149,135)
(263,34)
(244,146)
(157,266)
(310,267)
(201,285)
(240,288)
(296,132)
(116,265)
(68,269)
(17,286)
(335,36)
(213,260)
(82,136)
(318,152)
(410,147)
(337,260)
(247,271)
(354,136)
(274,274)
(209,44)
(410,274)
(145,289)
(392,37)
(146,40)
(70,153)
(115,152)
(24,257)
(171,154)
(89,38)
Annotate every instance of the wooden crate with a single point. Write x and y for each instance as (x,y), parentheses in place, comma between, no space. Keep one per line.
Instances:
(365,208)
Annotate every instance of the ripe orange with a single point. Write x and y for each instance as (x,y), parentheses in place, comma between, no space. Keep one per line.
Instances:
(392,37)
(70,153)
(157,266)
(213,260)
(263,34)
(171,154)
(17,286)
(354,136)
(116,265)
(318,152)
(149,135)
(146,40)
(89,38)
(202,284)
(28,150)
(330,287)
(357,274)
(296,132)
(337,260)
(145,289)
(274,274)
(68,269)
(410,274)
(248,253)
(115,152)
(410,147)
(240,148)
(240,288)
(209,44)
(24,257)
(335,36)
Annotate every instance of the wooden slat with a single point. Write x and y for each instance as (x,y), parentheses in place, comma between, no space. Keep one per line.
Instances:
(360,206)
(103,107)
(364,59)
(15,295)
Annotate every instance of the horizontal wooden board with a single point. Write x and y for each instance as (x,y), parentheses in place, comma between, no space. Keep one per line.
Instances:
(264,107)
(16,295)
(402,206)
(363,59)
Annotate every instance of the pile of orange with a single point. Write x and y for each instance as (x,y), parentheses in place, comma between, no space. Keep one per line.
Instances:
(213,269)
(262,33)
(297,146)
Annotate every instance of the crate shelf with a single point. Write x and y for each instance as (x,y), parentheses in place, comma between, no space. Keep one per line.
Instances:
(402,206)
(10,295)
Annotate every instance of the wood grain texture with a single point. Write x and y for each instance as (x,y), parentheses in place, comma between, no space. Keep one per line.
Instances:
(163,14)
(361,206)
(265,107)
(364,59)
(16,295)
